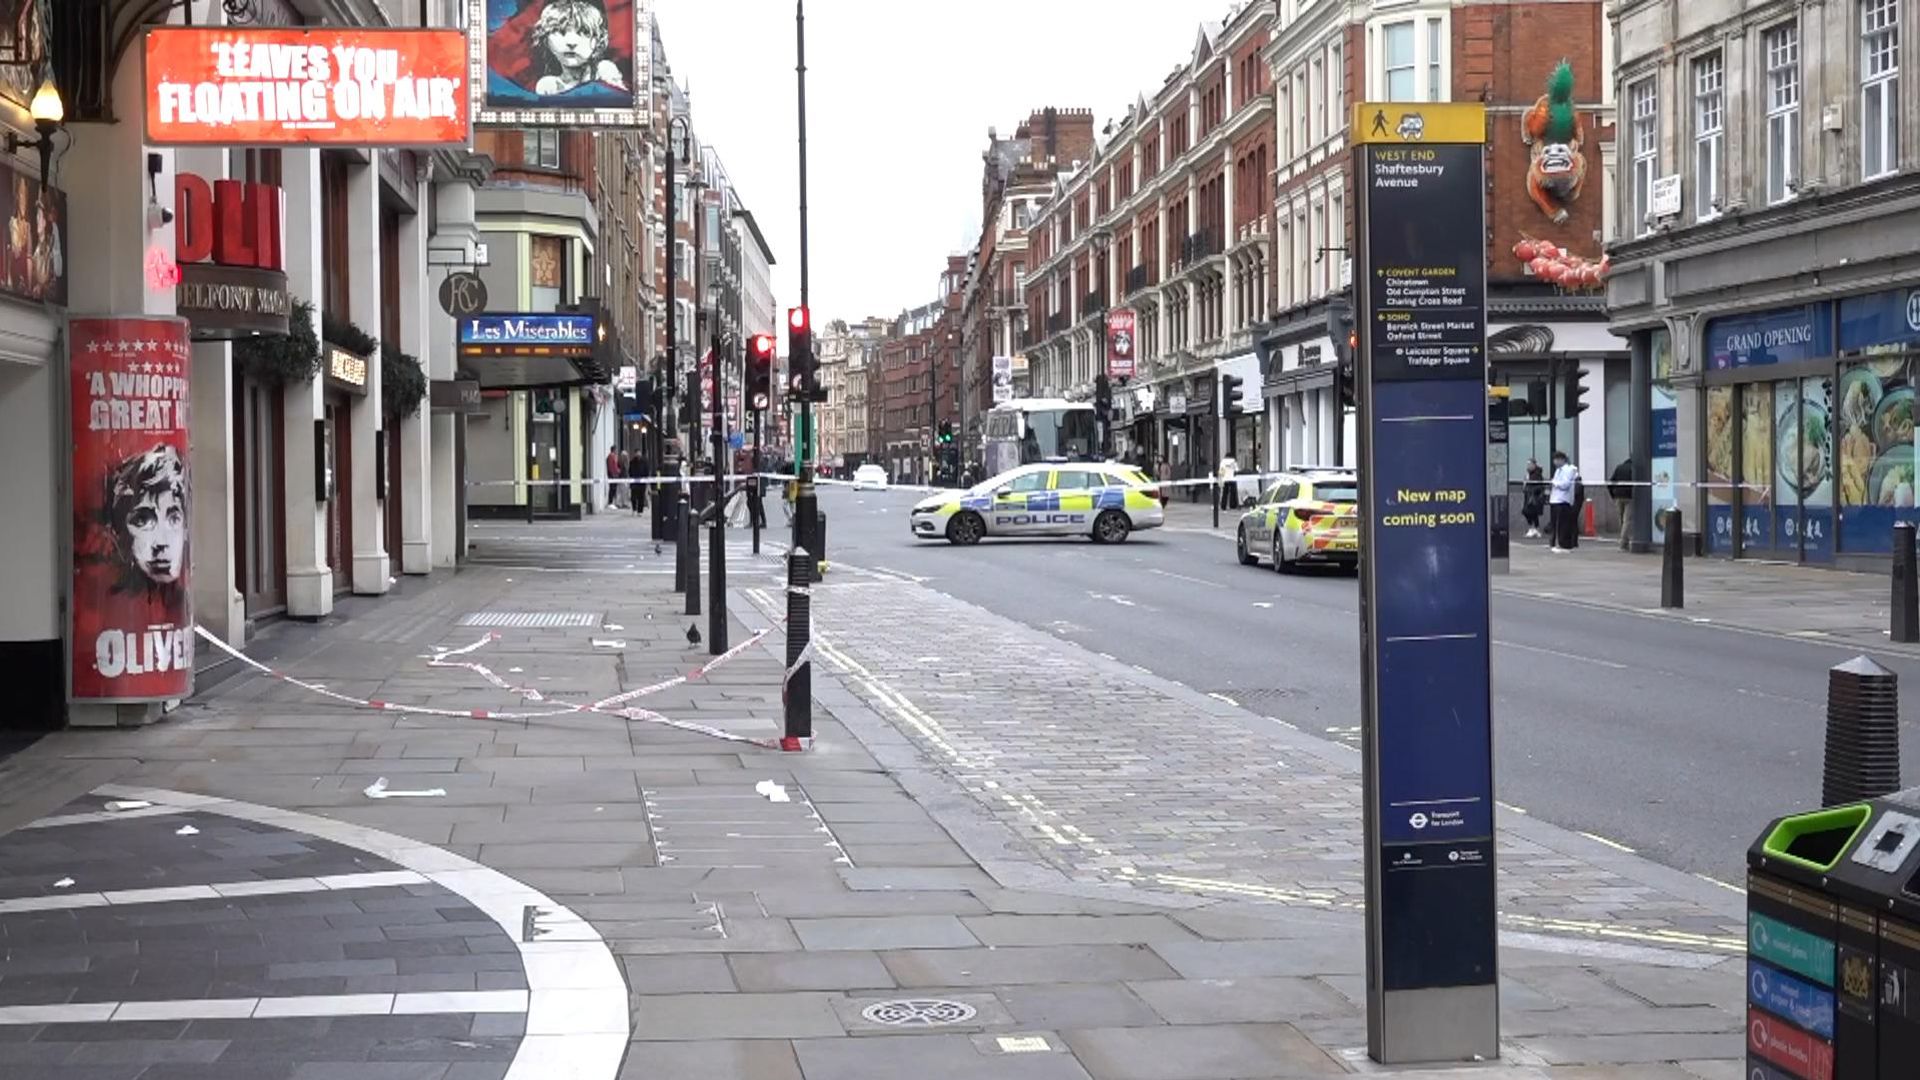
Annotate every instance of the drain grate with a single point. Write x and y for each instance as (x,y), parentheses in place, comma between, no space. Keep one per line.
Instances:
(919,1012)
(531,620)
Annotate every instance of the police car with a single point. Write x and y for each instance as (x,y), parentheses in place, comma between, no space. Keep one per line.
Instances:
(1103,500)
(1303,517)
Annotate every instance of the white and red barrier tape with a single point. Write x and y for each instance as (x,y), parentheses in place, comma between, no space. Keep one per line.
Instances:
(609,706)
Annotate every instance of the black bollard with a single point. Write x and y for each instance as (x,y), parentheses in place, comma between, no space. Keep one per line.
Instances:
(796,688)
(1673,593)
(819,546)
(1863,733)
(677,528)
(1906,587)
(691,542)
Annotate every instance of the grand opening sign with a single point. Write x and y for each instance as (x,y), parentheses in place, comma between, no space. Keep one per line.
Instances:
(323,86)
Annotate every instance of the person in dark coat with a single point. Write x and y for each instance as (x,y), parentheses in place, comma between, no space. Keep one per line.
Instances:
(1620,488)
(1533,497)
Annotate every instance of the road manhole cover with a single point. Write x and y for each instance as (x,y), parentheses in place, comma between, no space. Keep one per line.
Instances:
(918,1012)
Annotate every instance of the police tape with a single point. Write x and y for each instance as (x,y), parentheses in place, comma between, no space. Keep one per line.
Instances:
(614,705)
(1289,474)
(1257,478)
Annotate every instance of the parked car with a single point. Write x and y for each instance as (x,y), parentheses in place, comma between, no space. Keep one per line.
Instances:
(1303,517)
(1103,500)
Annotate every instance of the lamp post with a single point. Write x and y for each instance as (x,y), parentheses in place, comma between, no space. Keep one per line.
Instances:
(717,542)
(695,186)
(670,374)
(1100,238)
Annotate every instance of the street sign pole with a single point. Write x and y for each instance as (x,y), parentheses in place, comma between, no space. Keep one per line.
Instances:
(1426,698)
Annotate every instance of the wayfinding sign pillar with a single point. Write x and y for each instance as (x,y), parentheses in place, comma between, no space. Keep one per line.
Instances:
(1432,986)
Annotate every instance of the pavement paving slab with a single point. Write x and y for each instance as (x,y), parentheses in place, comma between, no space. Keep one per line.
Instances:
(662,918)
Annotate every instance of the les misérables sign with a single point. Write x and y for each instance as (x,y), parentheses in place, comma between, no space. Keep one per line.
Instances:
(321,86)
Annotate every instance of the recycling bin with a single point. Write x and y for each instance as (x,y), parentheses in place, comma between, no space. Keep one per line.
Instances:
(1833,943)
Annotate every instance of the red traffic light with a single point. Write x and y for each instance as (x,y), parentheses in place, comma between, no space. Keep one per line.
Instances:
(761,346)
(797,318)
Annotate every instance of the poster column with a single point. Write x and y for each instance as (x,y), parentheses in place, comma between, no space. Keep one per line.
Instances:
(132,639)
(1426,698)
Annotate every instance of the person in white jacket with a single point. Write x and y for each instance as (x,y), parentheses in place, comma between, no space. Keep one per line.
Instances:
(1563,503)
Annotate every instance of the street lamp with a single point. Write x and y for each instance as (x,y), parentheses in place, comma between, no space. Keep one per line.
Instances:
(717,543)
(677,128)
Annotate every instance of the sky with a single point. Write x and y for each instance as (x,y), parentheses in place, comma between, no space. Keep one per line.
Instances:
(900,94)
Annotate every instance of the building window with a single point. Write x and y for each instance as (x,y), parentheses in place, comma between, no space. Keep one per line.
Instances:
(1783,111)
(1643,105)
(541,147)
(1709,133)
(1879,87)
(1435,50)
(1284,115)
(1397,51)
(1338,92)
(1318,89)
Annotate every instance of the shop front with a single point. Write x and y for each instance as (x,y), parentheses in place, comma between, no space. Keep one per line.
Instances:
(1809,427)
(346,382)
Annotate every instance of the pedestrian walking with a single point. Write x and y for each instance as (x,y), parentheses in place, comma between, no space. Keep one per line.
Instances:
(1562,503)
(616,472)
(1620,488)
(1533,497)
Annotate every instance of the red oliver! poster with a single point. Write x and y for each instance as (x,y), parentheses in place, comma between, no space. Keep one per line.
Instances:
(132,622)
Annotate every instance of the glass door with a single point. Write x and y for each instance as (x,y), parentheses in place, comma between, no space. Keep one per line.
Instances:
(1803,451)
(1754,487)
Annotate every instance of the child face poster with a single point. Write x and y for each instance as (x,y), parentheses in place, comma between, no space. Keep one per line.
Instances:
(558,63)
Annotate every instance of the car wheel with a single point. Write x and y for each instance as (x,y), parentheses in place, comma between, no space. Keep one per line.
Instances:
(966,528)
(1247,558)
(1111,527)
(1281,564)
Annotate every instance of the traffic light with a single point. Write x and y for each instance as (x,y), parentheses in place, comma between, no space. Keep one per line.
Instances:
(1103,396)
(543,402)
(800,360)
(1576,388)
(1346,349)
(759,372)
(1232,397)
(946,432)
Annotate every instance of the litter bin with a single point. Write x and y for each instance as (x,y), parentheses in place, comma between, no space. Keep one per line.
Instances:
(1833,943)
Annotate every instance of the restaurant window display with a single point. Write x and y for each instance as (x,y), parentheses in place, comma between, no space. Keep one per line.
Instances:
(1769,434)
(1875,454)
(1879,346)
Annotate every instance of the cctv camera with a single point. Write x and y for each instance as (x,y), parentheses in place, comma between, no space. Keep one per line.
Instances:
(158,217)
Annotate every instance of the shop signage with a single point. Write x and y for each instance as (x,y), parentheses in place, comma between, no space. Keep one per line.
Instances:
(561,334)
(463,294)
(132,632)
(1425,614)
(320,86)
(1120,342)
(347,370)
(231,278)
(1879,322)
(585,63)
(1781,336)
(455,395)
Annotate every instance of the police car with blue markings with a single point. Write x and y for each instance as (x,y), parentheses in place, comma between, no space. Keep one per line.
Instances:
(1106,501)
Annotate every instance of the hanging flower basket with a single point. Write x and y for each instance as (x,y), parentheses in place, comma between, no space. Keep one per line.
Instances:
(281,359)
